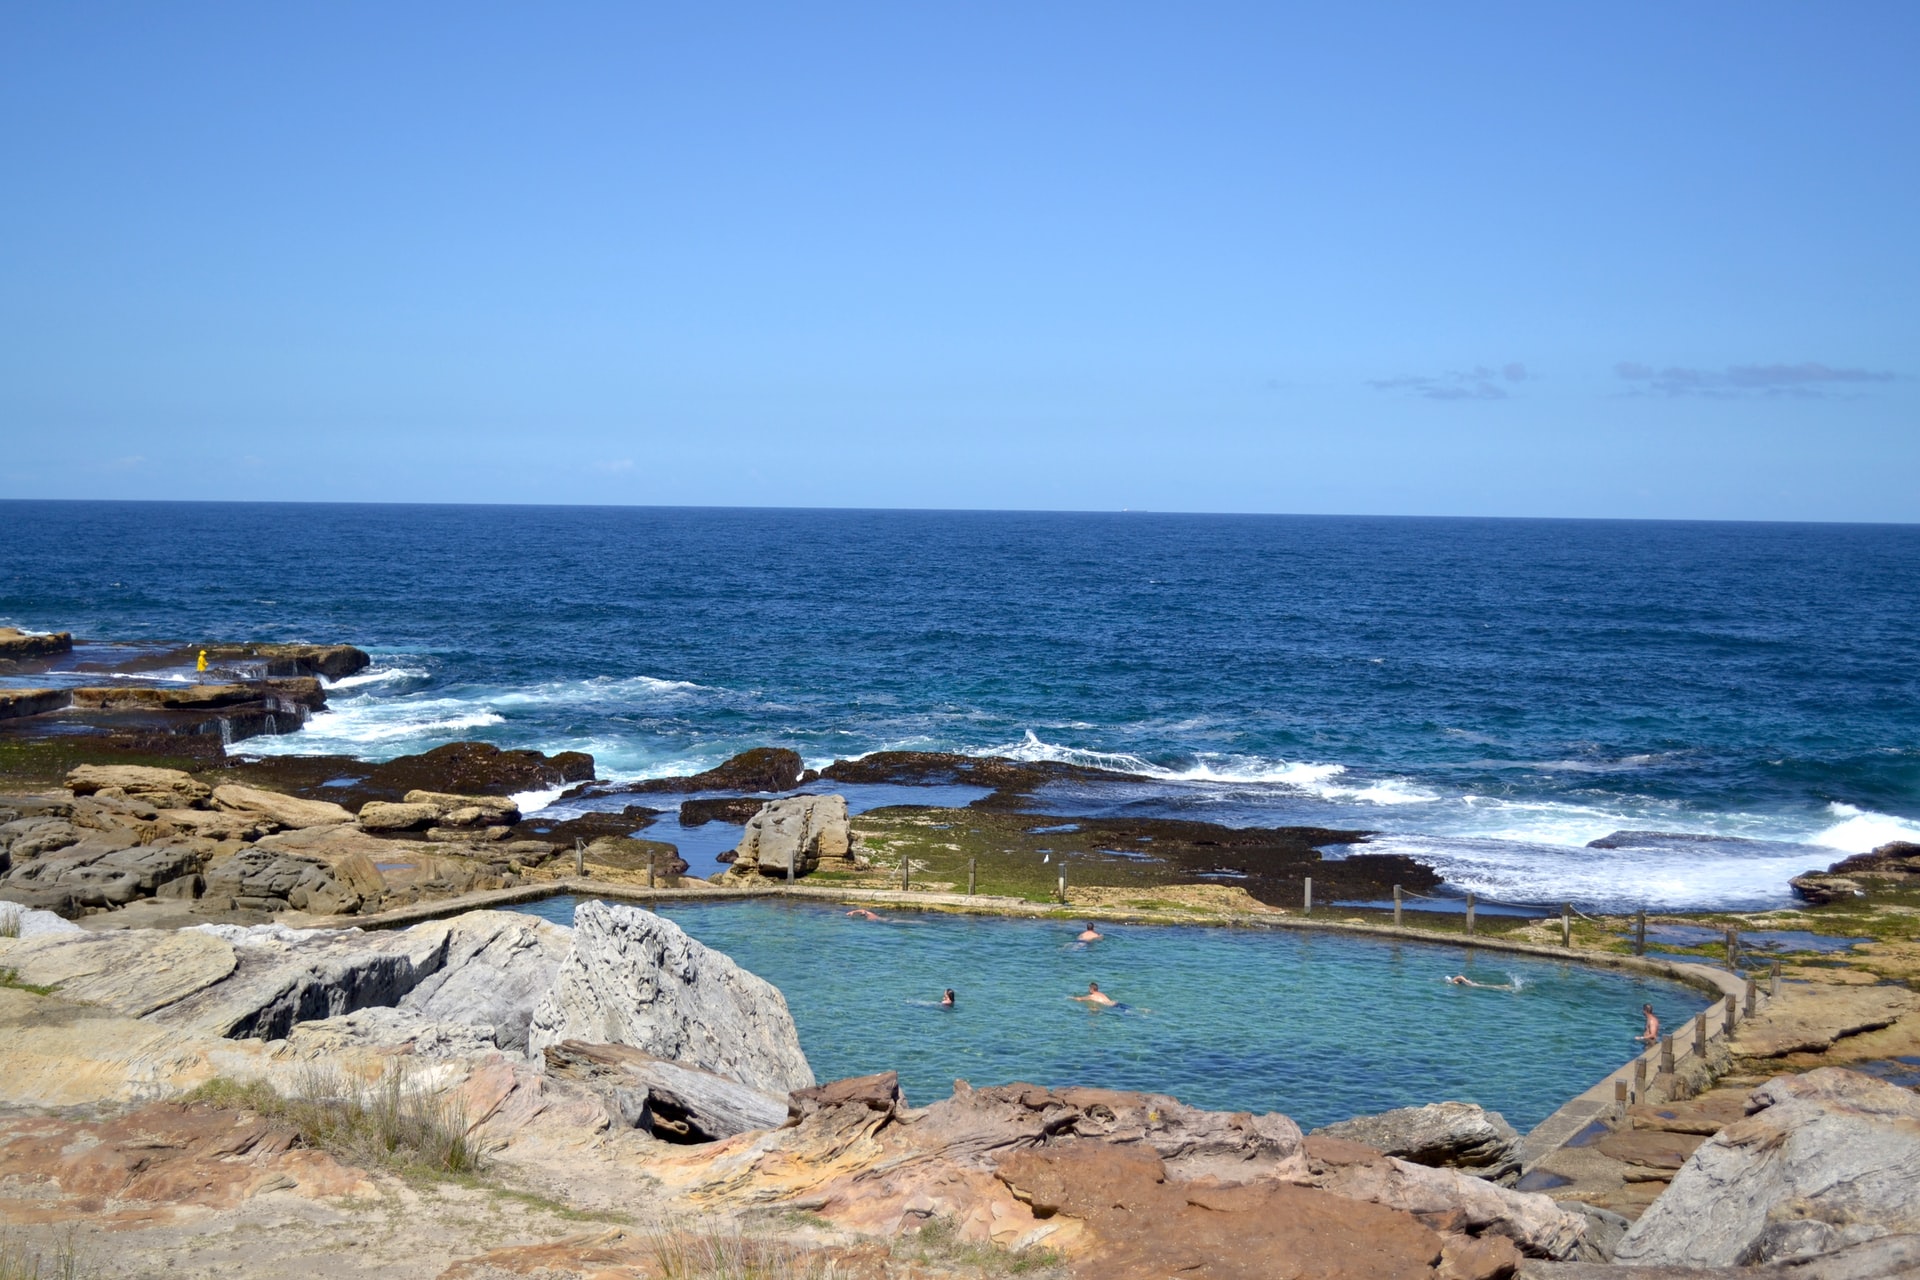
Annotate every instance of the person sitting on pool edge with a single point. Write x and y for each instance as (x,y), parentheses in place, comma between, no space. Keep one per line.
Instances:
(1094,995)
(1652,1033)
(946,1001)
(1089,934)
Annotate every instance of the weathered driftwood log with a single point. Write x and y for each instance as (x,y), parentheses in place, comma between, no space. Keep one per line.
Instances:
(668,1100)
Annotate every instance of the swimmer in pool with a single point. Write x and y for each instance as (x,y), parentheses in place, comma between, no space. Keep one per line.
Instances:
(1652,1033)
(1095,995)
(946,1001)
(863,913)
(1462,980)
(1089,934)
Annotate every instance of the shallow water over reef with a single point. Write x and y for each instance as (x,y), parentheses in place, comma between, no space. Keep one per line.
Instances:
(1318,1027)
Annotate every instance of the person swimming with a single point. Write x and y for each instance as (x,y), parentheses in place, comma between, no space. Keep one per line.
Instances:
(1462,980)
(1090,934)
(863,913)
(1095,996)
(947,1000)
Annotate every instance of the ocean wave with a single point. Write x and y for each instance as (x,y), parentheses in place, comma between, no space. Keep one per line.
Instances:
(374,676)
(1863,831)
(379,727)
(1322,780)
(604,690)
(1701,876)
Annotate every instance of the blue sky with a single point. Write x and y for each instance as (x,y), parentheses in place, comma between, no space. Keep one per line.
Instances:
(1621,260)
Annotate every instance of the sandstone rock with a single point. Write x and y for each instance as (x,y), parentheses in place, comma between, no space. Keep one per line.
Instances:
(635,978)
(330,660)
(1539,1227)
(1483,1258)
(667,1099)
(1455,1135)
(384,815)
(288,811)
(1820,888)
(1806,1019)
(796,832)
(25,922)
(481,969)
(18,703)
(103,870)
(30,837)
(877,1092)
(467,811)
(16,644)
(1825,1158)
(267,879)
(162,788)
(132,972)
(390,1029)
(218,824)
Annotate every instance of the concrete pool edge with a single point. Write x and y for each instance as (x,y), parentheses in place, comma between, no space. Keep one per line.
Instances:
(1569,1119)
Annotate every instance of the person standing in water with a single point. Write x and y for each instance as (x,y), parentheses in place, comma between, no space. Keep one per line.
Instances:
(1089,934)
(1652,1034)
(1095,995)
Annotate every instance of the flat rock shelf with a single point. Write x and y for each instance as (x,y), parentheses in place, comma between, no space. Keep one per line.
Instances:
(1319,1027)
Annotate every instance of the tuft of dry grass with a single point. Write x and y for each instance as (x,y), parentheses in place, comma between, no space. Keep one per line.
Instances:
(729,1253)
(60,1260)
(390,1122)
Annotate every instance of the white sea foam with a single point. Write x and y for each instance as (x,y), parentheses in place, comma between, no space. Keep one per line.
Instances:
(1862,830)
(1327,781)
(379,727)
(373,676)
(534,801)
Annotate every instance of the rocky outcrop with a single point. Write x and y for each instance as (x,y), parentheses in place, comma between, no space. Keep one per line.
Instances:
(761,769)
(422,809)
(1854,877)
(286,811)
(134,972)
(791,836)
(481,969)
(698,813)
(1827,1160)
(1537,1226)
(16,644)
(667,1099)
(17,921)
(330,660)
(1441,1135)
(635,978)
(161,788)
(102,870)
(264,879)
(1809,1020)
(18,703)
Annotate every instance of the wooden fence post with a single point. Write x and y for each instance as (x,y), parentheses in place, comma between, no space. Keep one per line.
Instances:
(1733,949)
(579,856)
(1396,906)
(1308,900)
(1729,1026)
(1700,1036)
(1566,925)
(1753,990)
(1469,913)
(1773,983)
(1620,1097)
(970,875)
(1063,886)
(1640,1079)
(1666,1054)
(1640,933)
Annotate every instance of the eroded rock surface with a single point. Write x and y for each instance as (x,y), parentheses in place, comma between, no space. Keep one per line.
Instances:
(635,978)
(1827,1159)
(795,833)
(1452,1135)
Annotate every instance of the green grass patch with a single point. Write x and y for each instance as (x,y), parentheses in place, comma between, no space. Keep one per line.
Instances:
(10,979)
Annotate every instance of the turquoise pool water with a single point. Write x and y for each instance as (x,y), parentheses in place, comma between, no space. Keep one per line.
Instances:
(1318,1027)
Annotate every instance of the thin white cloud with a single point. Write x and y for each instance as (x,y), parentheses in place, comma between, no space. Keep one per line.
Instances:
(1482,382)
(1807,380)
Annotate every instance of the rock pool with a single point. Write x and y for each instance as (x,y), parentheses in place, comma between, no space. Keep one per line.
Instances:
(1320,1027)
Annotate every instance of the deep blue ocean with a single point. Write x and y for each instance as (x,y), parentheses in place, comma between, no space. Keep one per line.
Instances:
(1488,694)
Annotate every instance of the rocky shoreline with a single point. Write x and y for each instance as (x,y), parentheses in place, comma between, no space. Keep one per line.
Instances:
(180,977)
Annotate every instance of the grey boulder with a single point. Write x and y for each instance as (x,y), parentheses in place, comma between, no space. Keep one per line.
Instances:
(635,978)
(1440,1135)
(795,833)
(1826,1160)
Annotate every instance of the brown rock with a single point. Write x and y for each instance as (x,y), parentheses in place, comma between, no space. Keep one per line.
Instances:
(878,1092)
(162,788)
(1141,1224)
(1482,1258)
(1650,1148)
(17,703)
(16,644)
(330,660)
(761,769)
(287,811)
(386,815)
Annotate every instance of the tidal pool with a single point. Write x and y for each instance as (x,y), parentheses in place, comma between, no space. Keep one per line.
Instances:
(1316,1026)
